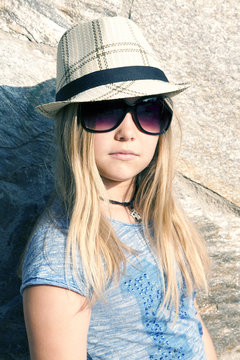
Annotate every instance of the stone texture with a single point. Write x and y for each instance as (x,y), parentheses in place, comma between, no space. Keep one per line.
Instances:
(43,22)
(197,42)
(219,222)
(26,182)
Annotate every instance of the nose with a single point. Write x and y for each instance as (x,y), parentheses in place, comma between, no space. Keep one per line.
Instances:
(127,129)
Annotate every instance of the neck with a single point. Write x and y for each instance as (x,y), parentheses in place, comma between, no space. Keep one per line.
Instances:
(121,197)
(120,192)
(125,203)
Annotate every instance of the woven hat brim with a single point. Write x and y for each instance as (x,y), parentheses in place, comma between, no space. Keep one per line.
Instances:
(114,91)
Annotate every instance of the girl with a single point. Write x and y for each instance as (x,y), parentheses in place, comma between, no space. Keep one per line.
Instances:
(113,264)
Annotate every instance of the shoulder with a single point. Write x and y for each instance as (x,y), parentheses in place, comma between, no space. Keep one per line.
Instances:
(49,235)
(45,258)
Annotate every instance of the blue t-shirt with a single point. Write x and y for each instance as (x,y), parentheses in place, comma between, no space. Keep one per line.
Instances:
(127,323)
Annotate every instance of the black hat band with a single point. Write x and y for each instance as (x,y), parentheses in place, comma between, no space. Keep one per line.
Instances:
(109,76)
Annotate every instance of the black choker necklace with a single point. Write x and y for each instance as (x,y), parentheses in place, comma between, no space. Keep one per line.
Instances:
(129,204)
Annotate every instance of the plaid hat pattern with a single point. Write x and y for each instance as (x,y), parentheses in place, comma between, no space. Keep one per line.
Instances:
(106,59)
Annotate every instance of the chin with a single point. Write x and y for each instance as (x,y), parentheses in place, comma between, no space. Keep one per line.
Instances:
(116,178)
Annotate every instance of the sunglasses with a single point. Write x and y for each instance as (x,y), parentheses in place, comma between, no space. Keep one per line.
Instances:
(151,115)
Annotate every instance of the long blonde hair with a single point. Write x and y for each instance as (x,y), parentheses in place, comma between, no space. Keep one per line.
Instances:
(176,242)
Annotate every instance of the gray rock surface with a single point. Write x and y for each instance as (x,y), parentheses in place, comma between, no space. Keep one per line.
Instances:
(219,222)
(197,42)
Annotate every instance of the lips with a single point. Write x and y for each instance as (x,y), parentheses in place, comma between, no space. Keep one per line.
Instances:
(124,155)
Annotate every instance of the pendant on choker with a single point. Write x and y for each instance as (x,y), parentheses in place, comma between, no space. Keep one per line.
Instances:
(135,215)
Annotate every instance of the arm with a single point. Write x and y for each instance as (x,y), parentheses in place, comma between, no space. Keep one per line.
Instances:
(207,341)
(57,322)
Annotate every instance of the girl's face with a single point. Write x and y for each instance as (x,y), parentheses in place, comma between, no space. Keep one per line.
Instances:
(123,153)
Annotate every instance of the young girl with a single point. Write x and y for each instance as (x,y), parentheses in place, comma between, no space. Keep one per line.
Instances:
(112,268)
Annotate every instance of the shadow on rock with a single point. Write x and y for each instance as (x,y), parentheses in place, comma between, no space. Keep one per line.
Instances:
(27,151)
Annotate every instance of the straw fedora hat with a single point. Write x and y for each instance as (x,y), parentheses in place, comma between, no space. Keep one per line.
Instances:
(106,59)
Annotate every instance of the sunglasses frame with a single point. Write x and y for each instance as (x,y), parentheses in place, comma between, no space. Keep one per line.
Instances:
(128,108)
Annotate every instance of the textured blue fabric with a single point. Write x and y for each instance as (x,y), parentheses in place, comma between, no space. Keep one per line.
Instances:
(127,325)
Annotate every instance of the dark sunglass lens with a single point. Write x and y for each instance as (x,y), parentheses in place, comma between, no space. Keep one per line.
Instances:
(100,116)
(154,116)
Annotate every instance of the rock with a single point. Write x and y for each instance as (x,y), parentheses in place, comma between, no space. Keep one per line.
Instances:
(44,22)
(233,353)
(219,222)
(26,182)
(196,43)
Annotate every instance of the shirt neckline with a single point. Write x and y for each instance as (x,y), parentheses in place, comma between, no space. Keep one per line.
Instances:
(124,223)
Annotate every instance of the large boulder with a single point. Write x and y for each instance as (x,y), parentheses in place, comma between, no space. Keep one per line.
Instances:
(197,43)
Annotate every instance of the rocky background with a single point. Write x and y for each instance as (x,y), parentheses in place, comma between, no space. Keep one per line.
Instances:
(197,42)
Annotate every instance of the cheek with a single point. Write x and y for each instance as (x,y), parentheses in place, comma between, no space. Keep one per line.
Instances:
(98,143)
(150,144)
(101,149)
(101,144)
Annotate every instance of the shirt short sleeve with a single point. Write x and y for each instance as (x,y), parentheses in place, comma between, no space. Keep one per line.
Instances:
(44,262)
